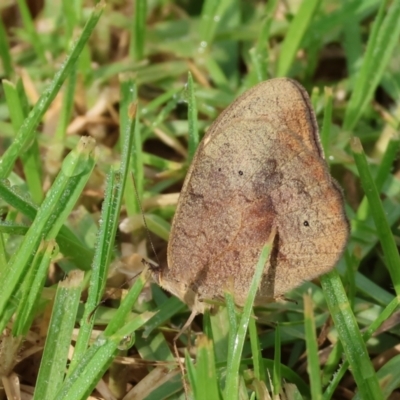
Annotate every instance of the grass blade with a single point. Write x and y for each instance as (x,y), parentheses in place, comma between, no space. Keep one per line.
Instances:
(277,374)
(313,367)
(5,52)
(382,41)
(33,36)
(27,130)
(192,119)
(55,354)
(384,232)
(105,245)
(138,36)
(350,337)
(232,379)
(59,202)
(206,374)
(326,125)
(17,104)
(294,36)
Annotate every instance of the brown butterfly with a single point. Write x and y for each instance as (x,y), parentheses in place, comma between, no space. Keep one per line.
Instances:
(260,166)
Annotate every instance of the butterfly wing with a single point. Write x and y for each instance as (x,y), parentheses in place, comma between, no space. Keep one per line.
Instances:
(249,175)
(282,102)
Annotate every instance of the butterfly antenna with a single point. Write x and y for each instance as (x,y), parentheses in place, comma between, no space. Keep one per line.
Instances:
(145,223)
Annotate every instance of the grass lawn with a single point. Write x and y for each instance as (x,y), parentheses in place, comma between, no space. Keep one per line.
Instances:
(102,105)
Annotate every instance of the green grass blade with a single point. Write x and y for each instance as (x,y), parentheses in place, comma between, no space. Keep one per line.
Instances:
(382,41)
(315,95)
(70,245)
(158,226)
(138,161)
(27,130)
(384,232)
(84,376)
(206,374)
(350,337)
(96,361)
(59,202)
(33,36)
(128,111)
(313,367)
(326,125)
(3,251)
(192,119)
(232,379)
(32,288)
(277,374)
(31,160)
(259,54)
(217,75)
(258,363)
(138,37)
(5,52)
(208,22)
(58,341)
(67,107)
(289,375)
(71,16)
(352,43)
(382,174)
(338,375)
(105,247)
(170,307)
(294,36)
(233,322)
(331,376)
(191,372)
(155,347)
(119,319)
